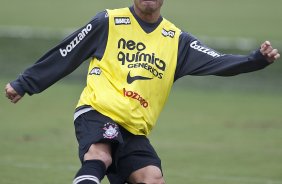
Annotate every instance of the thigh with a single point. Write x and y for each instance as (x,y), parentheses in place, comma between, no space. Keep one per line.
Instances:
(92,127)
(134,154)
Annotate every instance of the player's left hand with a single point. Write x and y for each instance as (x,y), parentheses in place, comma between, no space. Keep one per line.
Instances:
(269,52)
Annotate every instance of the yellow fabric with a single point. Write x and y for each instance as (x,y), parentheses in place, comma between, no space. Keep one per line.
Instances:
(130,52)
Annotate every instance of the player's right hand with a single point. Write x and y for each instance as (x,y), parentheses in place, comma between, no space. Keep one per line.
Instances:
(12,94)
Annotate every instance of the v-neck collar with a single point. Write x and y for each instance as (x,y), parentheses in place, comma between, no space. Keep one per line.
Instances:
(147,27)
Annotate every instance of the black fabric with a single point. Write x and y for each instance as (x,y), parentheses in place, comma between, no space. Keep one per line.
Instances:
(94,168)
(195,58)
(135,153)
(129,152)
(90,128)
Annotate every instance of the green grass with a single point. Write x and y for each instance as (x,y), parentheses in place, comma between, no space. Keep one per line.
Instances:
(242,18)
(221,137)
(37,138)
(212,131)
(203,137)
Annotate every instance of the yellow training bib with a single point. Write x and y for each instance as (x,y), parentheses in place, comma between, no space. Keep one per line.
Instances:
(132,81)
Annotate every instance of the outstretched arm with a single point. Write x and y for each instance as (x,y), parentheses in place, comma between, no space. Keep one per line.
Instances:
(195,58)
(61,60)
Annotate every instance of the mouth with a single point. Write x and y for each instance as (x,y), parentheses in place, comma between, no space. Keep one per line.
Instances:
(148,2)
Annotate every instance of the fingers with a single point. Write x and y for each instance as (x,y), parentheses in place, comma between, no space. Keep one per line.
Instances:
(16,99)
(269,52)
(13,98)
(11,94)
(277,56)
(265,44)
(272,53)
(266,48)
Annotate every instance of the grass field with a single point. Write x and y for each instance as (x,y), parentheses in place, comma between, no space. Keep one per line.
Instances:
(212,131)
(242,18)
(203,136)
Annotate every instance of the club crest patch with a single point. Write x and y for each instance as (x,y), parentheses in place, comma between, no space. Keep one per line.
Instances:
(111,130)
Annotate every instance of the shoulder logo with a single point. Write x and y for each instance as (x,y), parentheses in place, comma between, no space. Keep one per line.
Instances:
(106,15)
(95,71)
(122,21)
(169,33)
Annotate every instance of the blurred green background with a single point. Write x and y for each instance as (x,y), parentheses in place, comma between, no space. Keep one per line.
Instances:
(213,130)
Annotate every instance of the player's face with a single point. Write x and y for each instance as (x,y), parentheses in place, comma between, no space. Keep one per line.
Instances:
(148,6)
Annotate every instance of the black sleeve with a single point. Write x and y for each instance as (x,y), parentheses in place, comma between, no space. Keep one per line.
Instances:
(88,41)
(194,58)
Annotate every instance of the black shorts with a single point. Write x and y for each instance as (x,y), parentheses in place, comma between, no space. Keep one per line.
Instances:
(130,152)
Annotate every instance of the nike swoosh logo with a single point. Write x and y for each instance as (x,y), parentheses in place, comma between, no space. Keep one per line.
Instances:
(132,79)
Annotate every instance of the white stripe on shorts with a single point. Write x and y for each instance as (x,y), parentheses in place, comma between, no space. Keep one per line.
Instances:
(82,111)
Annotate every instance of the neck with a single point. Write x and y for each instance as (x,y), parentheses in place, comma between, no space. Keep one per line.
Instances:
(151,17)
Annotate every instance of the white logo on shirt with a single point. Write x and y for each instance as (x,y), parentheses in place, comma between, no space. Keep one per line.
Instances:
(169,33)
(203,49)
(122,21)
(76,40)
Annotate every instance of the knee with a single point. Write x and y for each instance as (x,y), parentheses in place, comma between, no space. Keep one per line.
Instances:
(151,180)
(155,180)
(100,151)
(147,175)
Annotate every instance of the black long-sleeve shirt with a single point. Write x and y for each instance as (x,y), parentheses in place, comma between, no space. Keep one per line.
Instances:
(194,58)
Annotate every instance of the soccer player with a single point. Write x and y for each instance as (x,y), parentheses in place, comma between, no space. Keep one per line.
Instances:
(136,56)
